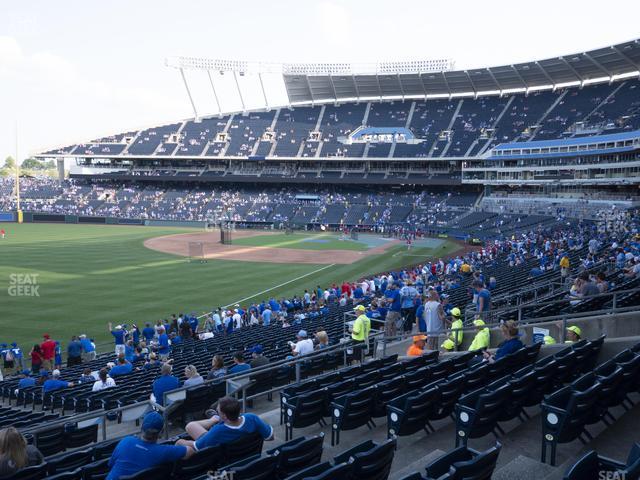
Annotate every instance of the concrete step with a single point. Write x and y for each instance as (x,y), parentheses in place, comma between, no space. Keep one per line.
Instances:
(523,468)
(416,466)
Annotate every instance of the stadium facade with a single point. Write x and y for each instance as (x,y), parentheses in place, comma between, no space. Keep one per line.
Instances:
(564,126)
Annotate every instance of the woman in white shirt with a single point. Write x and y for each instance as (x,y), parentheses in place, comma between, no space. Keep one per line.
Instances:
(104,381)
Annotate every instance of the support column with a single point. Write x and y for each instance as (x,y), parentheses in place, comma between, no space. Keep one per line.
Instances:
(60,165)
(186,85)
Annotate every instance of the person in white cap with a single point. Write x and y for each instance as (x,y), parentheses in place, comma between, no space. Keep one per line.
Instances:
(303,346)
(119,335)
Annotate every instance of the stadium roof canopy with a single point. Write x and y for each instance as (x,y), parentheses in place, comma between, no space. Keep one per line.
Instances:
(315,83)
(606,62)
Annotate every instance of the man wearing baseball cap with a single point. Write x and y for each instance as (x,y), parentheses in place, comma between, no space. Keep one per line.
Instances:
(134,454)
(360,332)
(574,334)
(482,338)
(417,347)
(456,334)
(303,346)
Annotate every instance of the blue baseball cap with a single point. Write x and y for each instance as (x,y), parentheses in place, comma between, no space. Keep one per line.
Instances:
(14,344)
(302,334)
(26,372)
(257,349)
(152,421)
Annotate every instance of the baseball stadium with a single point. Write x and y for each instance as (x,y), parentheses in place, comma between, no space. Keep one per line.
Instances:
(405,271)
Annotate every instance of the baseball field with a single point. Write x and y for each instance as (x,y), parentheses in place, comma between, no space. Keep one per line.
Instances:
(71,279)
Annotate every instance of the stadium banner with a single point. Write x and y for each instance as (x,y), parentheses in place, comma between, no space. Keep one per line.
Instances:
(71,219)
(130,221)
(7,217)
(46,217)
(170,223)
(99,220)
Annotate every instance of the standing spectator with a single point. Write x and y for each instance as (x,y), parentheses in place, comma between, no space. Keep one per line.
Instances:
(164,383)
(48,351)
(134,454)
(17,355)
(392,296)
(88,349)
(433,318)
(58,356)
(360,332)
(163,344)
(119,335)
(36,359)
(193,377)
(148,332)
(15,453)
(483,298)
(409,295)
(74,352)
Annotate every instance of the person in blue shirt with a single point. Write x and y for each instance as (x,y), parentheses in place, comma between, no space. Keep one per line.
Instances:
(129,350)
(266,317)
(164,383)
(225,427)
(135,335)
(26,380)
(134,454)
(17,355)
(54,383)
(512,342)
(119,335)
(393,313)
(58,356)
(483,302)
(74,352)
(163,344)
(123,367)
(148,332)
(238,364)
(88,349)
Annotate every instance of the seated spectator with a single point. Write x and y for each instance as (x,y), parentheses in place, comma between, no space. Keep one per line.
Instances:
(258,359)
(54,383)
(574,334)
(303,346)
(134,454)
(164,383)
(511,343)
(225,427)
(417,347)
(239,365)
(482,338)
(322,340)
(104,381)
(86,376)
(123,367)
(153,361)
(218,370)
(448,345)
(15,453)
(193,378)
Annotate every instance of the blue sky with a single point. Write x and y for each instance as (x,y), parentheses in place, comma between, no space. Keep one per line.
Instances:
(72,70)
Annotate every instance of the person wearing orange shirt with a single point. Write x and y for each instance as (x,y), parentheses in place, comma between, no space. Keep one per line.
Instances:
(417,347)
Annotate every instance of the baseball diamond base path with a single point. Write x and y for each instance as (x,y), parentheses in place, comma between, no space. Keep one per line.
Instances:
(213,249)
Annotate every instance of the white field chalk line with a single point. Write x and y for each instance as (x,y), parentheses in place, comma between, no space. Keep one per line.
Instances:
(281,285)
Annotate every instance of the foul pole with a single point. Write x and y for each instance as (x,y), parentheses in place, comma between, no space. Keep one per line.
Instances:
(18,211)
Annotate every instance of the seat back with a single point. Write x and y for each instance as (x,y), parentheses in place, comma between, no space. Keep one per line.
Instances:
(79,437)
(586,468)
(159,472)
(68,475)
(105,449)
(30,473)
(243,447)
(50,442)
(480,467)
(69,461)
(375,463)
(450,392)
(201,462)
(309,408)
(96,470)
(298,454)
(259,469)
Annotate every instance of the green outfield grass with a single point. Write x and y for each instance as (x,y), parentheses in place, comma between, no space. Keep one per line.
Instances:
(319,241)
(89,275)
